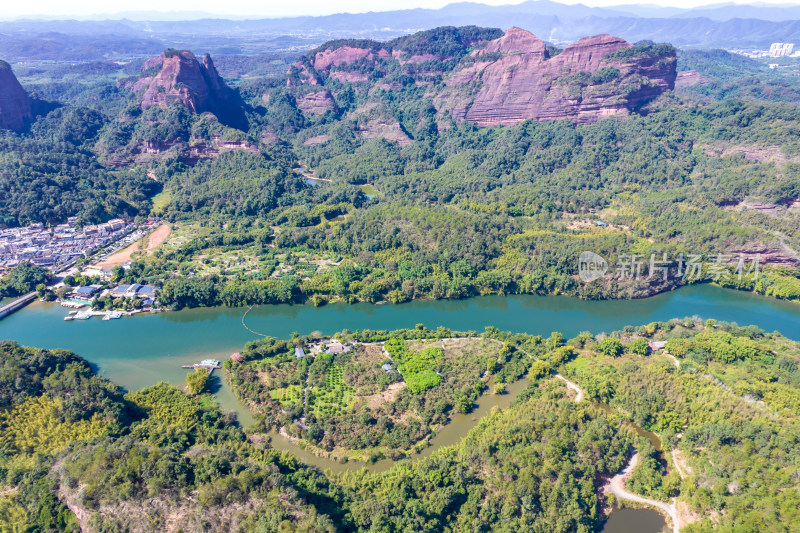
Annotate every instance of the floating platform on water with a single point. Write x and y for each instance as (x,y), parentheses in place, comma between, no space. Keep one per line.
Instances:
(208,364)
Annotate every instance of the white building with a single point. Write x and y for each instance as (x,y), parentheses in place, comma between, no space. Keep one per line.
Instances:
(780,49)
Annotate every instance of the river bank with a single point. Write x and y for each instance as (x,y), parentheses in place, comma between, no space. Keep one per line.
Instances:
(140,351)
(152,348)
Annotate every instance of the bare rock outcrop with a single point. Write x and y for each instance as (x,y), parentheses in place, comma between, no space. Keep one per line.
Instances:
(180,77)
(16,108)
(316,103)
(589,80)
(492,79)
(344,55)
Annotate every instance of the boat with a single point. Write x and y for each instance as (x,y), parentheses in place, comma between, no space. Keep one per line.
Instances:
(68,318)
(83,316)
(112,315)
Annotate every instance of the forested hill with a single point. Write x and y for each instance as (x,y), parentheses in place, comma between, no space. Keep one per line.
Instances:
(448,163)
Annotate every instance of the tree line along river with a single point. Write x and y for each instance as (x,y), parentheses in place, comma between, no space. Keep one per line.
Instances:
(142,350)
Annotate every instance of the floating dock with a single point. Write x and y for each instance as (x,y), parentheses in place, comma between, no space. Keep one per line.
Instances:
(208,364)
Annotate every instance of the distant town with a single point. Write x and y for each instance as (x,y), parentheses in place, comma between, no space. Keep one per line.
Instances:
(84,281)
(775,50)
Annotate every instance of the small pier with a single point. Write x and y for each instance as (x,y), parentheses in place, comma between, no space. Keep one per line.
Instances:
(208,364)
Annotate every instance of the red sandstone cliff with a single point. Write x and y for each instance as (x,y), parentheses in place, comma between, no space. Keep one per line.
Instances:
(196,85)
(519,81)
(316,103)
(504,81)
(15,105)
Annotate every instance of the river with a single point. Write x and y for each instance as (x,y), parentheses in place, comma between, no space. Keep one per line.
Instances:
(142,350)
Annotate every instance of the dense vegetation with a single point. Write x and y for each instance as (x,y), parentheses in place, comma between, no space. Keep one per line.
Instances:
(725,415)
(22,279)
(449,210)
(348,405)
(435,208)
(72,438)
(51,173)
(506,211)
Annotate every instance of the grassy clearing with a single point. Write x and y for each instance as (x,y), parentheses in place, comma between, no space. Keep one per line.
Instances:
(417,368)
(161,201)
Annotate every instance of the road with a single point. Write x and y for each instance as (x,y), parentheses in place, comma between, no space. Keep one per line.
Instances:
(572,386)
(617,483)
(617,487)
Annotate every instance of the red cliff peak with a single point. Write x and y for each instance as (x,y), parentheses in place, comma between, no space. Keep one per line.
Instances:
(15,105)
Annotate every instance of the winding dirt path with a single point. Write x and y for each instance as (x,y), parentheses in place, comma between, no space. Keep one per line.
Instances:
(617,487)
(674,360)
(677,465)
(572,386)
(617,483)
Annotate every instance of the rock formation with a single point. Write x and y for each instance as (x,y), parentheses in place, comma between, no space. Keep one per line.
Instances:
(316,103)
(585,82)
(15,105)
(180,77)
(344,55)
(503,81)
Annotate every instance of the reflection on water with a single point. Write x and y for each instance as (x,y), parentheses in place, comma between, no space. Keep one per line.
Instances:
(635,521)
(142,350)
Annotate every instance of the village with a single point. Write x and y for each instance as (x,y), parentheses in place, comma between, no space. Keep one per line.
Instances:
(79,257)
(58,247)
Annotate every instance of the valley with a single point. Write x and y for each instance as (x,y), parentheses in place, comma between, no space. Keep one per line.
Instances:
(529,267)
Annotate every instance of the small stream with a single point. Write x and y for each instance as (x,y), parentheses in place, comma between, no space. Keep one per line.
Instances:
(458,428)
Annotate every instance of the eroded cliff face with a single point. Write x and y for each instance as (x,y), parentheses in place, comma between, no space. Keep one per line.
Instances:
(503,81)
(16,108)
(316,103)
(180,77)
(344,55)
(587,81)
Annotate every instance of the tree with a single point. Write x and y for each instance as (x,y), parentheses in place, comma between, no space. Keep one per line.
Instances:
(41,288)
(23,279)
(639,347)
(610,346)
(117,273)
(197,380)
(539,369)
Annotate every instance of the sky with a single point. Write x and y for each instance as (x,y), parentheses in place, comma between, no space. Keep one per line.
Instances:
(270,8)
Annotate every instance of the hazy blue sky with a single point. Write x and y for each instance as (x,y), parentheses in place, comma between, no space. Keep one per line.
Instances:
(82,8)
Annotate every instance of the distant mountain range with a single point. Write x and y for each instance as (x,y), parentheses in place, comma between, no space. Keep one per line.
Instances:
(718,25)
